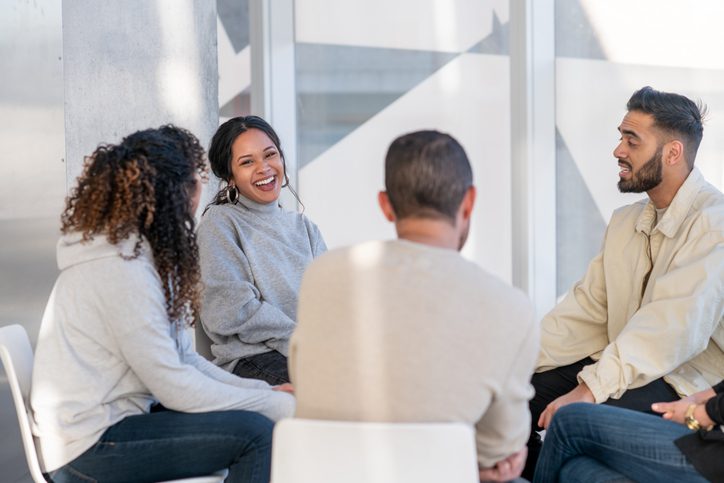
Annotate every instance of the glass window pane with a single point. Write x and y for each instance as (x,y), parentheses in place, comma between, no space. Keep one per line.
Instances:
(368,72)
(234,55)
(602,57)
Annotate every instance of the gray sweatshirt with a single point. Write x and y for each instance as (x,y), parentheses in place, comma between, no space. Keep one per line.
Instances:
(107,350)
(252,260)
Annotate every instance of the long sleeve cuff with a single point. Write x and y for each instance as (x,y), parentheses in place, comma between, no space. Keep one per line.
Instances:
(715,408)
(588,376)
(719,388)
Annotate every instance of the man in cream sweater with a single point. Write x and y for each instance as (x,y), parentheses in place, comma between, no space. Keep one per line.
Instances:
(645,324)
(408,330)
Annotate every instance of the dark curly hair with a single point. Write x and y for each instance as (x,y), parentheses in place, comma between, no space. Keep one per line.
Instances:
(144,186)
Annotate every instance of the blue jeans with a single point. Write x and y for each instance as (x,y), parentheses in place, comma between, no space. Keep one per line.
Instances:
(552,384)
(169,445)
(596,443)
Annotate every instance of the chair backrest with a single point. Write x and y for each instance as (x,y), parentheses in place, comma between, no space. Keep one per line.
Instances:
(16,354)
(202,343)
(306,451)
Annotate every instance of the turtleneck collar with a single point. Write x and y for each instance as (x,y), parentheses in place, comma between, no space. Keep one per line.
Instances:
(268,209)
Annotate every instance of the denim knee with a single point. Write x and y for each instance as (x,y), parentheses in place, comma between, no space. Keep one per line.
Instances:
(256,425)
(569,415)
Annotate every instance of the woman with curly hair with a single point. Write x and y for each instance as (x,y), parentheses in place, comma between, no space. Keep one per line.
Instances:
(253,253)
(118,393)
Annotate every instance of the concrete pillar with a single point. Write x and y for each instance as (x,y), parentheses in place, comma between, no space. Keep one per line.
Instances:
(137,64)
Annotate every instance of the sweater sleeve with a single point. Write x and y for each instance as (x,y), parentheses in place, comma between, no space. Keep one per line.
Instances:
(576,327)
(715,405)
(719,388)
(715,408)
(315,238)
(505,426)
(142,332)
(232,305)
(686,306)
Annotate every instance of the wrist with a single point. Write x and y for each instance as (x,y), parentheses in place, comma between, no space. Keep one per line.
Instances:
(703,417)
(696,418)
(588,379)
(703,396)
(585,393)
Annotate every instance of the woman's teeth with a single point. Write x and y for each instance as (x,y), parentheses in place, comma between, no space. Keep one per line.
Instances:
(264,181)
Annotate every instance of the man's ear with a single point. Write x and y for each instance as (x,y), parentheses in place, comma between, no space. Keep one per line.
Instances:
(386,206)
(466,207)
(674,153)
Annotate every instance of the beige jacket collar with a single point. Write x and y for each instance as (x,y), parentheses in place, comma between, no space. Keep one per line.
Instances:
(677,210)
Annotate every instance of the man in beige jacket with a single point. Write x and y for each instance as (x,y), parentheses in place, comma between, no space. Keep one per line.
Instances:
(645,323)
(407,330)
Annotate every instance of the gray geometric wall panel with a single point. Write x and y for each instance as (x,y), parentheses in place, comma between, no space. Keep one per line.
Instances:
(340,87)
(497,43)
(234,16)
(240,105)
(579,224)
(575,36)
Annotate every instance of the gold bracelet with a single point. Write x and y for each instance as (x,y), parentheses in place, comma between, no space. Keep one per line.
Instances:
(691,422)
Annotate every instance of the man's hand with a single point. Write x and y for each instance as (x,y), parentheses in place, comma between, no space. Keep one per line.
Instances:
(505,470)
(286,387)
(580,394)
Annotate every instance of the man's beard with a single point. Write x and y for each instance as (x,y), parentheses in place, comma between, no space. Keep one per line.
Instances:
(646,178)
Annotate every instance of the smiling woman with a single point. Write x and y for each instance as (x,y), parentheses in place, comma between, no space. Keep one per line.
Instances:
(257,167)
(253,253)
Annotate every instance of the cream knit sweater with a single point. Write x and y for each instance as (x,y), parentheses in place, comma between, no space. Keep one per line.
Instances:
(403,332)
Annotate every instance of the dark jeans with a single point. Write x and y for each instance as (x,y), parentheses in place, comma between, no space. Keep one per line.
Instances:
(269,366)
(168,445)
(552,384)
(595,444)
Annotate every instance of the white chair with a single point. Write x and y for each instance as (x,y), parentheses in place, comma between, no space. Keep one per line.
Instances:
(310,451)
(17,358)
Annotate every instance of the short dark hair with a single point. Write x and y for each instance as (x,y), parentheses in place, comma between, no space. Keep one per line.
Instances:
(674,114)
(426,175)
